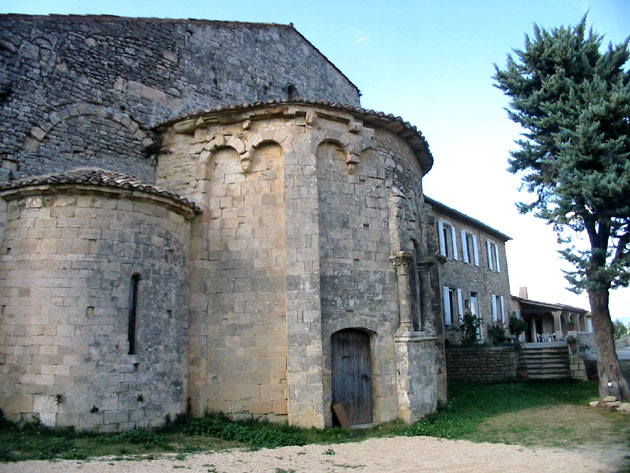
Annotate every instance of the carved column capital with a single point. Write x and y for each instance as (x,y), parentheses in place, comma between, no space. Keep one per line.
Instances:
(401,259)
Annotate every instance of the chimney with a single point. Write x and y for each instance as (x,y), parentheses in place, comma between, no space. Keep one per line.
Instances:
(522,292)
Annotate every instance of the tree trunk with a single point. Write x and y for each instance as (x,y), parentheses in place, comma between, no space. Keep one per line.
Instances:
(611,379)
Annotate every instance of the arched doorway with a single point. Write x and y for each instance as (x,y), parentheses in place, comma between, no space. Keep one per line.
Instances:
(352,374)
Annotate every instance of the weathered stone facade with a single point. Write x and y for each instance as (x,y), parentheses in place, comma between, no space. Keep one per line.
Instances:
(70,251)
(304,205)
(273,227)
(87,90)
(473,270)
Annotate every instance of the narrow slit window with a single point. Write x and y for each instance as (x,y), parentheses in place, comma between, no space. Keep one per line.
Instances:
(133,313)
(292,92)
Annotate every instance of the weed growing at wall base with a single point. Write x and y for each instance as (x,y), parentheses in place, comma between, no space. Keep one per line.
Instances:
(547,413)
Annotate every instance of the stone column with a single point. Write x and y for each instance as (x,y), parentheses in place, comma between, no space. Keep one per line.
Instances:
(426,320)
(557,324)
(532,329)
(402,261)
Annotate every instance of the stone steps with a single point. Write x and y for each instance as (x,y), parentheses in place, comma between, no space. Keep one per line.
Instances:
(545,362)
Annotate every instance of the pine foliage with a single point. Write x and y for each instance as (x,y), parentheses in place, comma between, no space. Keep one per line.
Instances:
(572,97)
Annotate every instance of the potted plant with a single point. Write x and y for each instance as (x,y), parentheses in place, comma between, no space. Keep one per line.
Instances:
(573,343)
(571,325)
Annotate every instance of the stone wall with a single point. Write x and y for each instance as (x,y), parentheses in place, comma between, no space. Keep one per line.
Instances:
(295,245)
(577,366)
(86,91)
(484,364)
(472,278)
(238,328)
(69,255)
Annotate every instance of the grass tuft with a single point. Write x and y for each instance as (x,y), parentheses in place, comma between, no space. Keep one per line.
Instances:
(551,413)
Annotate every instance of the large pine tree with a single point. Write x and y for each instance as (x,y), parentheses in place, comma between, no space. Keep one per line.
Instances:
(573,100)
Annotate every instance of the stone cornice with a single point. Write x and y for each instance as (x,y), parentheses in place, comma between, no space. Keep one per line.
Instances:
(311,109)
(94,180)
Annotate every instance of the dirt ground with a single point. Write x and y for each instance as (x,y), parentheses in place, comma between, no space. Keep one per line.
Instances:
(391,455)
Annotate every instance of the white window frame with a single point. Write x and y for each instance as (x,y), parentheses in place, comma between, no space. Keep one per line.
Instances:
(457,305)
(446,302)
(494,263)
(447,239)
(454,241)
(474,310)
(498,308)
(460,305)
(466,256)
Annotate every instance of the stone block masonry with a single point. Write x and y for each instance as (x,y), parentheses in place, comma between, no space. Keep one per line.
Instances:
(70,255)
(277,259)
(484,364)
(86,91)
(294,246)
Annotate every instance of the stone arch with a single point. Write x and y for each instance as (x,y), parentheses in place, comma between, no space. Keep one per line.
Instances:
(332,156)
(366,324)
(223,164)
(267,158)
(278,136)
(225,141)
(40,131)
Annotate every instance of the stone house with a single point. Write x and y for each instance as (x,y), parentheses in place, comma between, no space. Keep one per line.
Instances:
(549,322)
(182,228)
(472,270)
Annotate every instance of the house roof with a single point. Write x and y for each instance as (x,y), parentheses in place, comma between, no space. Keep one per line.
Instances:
(393,123)
(530,306)
(234,24)
(449,211)
(96,177)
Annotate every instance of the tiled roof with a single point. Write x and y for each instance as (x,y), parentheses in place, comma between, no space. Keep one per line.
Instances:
(549,306)
(97,177)
(472,221)
(396,124)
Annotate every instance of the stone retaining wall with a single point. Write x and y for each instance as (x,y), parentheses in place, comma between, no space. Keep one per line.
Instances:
(485,364)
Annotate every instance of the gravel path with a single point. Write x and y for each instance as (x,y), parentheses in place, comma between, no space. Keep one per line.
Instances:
(391,455)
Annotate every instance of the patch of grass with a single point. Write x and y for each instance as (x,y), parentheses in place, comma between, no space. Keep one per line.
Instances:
(254,434)
(551,413)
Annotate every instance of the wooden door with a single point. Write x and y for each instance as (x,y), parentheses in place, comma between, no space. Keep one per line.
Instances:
(351,374)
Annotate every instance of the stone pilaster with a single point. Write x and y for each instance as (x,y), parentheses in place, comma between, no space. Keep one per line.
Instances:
(402,261)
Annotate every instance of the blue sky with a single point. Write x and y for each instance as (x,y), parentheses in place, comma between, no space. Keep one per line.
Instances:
(430,62)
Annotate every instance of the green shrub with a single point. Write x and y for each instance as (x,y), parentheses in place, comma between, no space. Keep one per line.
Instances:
(497,334)
(146,438)
(517,326)
(469,327)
